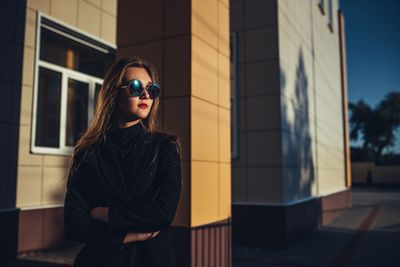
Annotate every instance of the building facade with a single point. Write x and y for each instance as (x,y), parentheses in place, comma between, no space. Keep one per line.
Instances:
(291,171)
(254,88)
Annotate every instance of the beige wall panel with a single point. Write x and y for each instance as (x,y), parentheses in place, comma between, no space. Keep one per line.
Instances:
(205,193)
(108,28)
(65,11)
(205,21)
(29,186)
(110,6)
(53,185)
(204,131)
(204,71)
(26,105)
(28,66)
(89,18)
(24,155)
(30,28)
(40,5)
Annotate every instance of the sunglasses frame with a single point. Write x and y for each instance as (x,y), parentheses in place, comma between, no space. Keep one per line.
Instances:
(150,85)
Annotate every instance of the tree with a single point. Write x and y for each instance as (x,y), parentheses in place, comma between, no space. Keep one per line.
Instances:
(376,126)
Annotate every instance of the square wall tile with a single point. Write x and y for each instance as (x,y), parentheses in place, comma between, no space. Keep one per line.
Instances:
(205,193)
(264,185)
(204,131)
(261,13)
(204,70)
(40,5)
(262,78)
(110,6)
(262,44)
(89,18)
(205,21)
(108,27)
(54,185)
(65,11)
(263,112)
(264,148)
(24,155)
(29,186)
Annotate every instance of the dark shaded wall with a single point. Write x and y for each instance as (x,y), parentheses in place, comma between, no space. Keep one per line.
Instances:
(12,28)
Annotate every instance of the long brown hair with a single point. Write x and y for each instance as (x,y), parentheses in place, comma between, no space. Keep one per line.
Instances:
(106,108)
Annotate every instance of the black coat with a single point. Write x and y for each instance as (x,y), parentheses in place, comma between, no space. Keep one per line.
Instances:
(147,204)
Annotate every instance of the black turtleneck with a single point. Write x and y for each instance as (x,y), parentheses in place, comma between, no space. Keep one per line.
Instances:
(123,140)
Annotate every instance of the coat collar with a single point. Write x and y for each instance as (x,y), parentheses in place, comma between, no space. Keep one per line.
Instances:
(142,155)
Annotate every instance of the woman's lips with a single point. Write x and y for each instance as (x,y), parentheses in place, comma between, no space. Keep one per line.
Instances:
(142,105)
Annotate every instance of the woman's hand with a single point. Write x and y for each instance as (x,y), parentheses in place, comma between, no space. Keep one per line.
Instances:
(133,236)
(100,213)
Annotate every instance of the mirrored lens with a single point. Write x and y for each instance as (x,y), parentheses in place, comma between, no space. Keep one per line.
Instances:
(136,89)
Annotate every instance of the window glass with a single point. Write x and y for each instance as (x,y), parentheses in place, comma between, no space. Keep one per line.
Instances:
(77,110)
(48,108)
(66,52)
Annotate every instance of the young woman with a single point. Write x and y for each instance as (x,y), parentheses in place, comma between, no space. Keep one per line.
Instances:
(124,179)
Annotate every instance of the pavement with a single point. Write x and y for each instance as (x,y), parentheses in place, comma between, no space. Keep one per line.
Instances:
(367,234)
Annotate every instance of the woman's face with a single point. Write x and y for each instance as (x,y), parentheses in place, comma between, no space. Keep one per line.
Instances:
(133,108)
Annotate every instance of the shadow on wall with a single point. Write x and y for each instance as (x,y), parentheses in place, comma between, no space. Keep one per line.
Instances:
(297,150)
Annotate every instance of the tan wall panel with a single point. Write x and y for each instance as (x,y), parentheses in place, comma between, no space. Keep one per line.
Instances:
(204,192)
(29,186)
(204,70)
(204,137)
(205,21)
(65,11)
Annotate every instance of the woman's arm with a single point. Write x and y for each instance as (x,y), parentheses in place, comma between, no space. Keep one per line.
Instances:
(159,213)
(78,225)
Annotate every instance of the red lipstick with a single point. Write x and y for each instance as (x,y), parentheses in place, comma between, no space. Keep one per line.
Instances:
(143,105)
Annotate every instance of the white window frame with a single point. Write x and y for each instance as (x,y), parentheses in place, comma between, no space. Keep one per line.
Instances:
(65,74)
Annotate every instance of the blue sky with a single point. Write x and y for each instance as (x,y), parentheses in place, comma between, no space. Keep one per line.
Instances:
(373,49)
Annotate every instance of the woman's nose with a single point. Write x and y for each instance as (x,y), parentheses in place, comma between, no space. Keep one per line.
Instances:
(145,94)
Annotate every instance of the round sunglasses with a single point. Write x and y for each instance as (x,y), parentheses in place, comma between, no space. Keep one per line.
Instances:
(136,88)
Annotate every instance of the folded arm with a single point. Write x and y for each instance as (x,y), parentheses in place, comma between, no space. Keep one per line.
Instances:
(78,225)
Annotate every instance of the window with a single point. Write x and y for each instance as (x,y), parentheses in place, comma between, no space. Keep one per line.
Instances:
(234,97)
(69,69)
